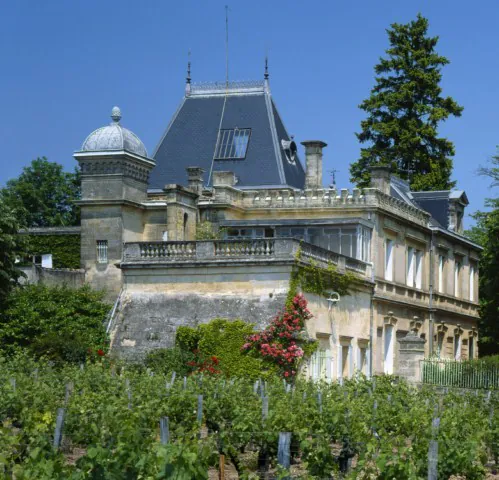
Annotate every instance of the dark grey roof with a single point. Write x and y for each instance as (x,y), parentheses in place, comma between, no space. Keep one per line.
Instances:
(191,138)
(437,203)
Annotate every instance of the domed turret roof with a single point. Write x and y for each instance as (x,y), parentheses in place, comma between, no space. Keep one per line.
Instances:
(114,137)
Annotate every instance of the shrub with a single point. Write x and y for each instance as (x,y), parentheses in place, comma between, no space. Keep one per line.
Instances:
(41,319)
(224,339)
(167,360)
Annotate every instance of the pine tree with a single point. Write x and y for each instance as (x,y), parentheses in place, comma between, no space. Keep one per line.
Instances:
(404,111)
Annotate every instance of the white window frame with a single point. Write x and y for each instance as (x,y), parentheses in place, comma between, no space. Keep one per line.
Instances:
(418,274)
(389,349)
(472,283)
(457,277)
(102,251)
(458,346)
(411,260)
(441,266)
(389,245)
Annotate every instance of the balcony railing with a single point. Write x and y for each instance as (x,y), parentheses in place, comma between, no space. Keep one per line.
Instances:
(244,250)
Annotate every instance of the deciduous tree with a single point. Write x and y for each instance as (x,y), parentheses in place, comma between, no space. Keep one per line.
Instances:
(43,195)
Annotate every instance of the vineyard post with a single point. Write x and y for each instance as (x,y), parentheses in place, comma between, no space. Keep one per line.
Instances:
(82,366)
(200,409)
(433,450)
(283,449)
(58,427)
(255,388)
(319,401)
(164,430)
(35,374)
(68,392)
(174,375)
(13,384)
(265,408)
(185,383)
(129,393)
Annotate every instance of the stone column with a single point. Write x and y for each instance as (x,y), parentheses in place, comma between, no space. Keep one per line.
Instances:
(195,179)
(313,161)
(411,351)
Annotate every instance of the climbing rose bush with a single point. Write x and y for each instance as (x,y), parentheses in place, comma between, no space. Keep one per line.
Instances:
(280,342)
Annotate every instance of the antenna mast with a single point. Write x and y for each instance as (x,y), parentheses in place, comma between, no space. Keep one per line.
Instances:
(226,47)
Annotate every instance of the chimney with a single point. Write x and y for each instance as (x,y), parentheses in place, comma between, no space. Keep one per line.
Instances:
(313,160)
(195,179)
(380,178)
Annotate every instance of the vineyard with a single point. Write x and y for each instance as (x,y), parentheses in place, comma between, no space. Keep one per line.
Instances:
(104,421)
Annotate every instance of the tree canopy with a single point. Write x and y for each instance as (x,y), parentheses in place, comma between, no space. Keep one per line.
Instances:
(11,247)
(43,195)
(486,233)
(404,110)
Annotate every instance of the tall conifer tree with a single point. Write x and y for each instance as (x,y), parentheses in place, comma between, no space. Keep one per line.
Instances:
(404,111)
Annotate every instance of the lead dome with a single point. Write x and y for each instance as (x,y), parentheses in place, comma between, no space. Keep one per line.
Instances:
(114,137)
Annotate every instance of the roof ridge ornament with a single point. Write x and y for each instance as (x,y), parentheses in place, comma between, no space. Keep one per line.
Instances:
(266,84)
(116,115)
(188,78)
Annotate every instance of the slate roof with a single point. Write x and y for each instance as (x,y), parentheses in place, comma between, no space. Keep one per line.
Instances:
(191,137)
(435,203)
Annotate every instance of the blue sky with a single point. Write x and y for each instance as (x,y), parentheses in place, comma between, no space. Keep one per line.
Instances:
(64,64)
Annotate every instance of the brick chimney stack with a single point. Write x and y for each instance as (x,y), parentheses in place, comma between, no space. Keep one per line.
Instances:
(313,161)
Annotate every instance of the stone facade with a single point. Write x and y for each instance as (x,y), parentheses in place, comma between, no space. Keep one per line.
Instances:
(417,271)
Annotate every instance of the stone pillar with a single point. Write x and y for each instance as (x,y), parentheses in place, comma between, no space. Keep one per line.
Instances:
(195,179)
(411,352)
(380,178)
(313,161)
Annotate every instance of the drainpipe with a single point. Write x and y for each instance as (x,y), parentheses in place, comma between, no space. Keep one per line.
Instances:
(371,329)
(432,274)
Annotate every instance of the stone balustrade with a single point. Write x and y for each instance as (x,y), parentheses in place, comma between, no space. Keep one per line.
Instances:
(287,250)
(316,198)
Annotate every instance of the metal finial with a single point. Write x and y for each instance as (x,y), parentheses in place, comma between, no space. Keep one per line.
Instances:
(188,78)
(116,114)
(266,75)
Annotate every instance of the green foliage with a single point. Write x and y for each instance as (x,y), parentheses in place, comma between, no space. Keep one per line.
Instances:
(112,420)
(11,247)
(43,195)
(206,230)
(65,249)
(404,110)
(320,281)
(43,319)
(168,360)
(486,233)
(224,338)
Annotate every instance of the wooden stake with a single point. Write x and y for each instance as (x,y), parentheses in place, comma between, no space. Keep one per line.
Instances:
(221,470)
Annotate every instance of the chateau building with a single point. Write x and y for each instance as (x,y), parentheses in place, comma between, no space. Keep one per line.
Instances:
(227,158)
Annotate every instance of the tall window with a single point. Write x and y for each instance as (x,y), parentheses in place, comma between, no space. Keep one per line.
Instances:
(471,348)
(457,347)
(389,260)
(457,279)
(472,283)
(101,251)
(414,267)
(232,143)
(441,265)
(389,349)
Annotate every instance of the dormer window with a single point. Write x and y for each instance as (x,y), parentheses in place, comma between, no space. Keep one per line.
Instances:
(289,147)
(232,143)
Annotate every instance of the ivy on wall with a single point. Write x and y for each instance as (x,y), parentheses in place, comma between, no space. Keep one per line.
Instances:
(318,280)
(65,249)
